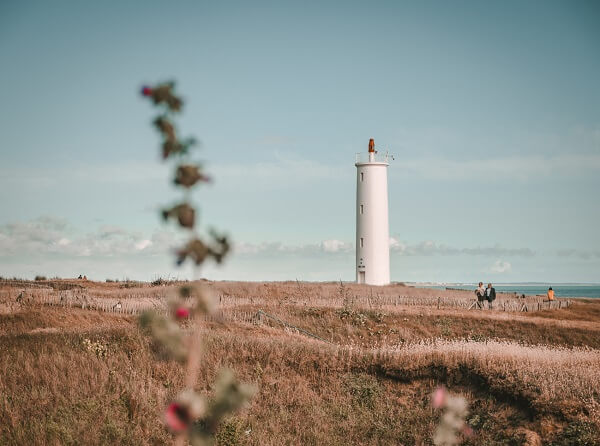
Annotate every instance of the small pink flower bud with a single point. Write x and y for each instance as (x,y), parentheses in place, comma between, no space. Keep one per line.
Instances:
(182,313)
(146,91)
(177,417)
(439,397)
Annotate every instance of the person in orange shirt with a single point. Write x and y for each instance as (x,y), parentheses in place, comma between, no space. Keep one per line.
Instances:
(550,294)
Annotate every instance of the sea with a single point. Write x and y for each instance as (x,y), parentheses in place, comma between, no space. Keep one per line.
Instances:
(560,290)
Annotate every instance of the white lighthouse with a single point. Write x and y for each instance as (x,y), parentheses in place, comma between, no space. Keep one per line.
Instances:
(372,226)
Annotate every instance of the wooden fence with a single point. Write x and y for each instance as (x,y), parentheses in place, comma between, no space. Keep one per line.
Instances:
(507,303)
(131,305)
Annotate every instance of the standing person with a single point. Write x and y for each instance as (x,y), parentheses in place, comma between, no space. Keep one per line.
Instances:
(550,294)
(480,293)
(490,294)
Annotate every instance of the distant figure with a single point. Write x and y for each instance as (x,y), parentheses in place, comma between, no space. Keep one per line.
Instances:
(84,277)
(80,277)
(480,293)
(550,294)
(490,294)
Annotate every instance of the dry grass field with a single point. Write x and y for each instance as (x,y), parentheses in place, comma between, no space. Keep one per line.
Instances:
(336,364)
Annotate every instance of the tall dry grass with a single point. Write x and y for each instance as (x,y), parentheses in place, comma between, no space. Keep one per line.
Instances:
(549,376)
(58,388)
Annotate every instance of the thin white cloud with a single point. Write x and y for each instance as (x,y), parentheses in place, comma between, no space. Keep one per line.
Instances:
(52,236)
(47,235)
(283,170)
(331,246)
(43,231)
(126,173)
(143,244)
(64,242)
(578,253)
(501,169)
(522,168)
(430,248)
(280,170)
(500,266)
(397,247)
(336,246)
(271,140)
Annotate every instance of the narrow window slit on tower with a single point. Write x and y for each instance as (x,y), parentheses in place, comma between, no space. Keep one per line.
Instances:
(362,209)
(362,242)
(362,176)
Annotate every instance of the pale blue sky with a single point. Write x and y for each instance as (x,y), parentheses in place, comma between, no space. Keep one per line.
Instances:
(491,108)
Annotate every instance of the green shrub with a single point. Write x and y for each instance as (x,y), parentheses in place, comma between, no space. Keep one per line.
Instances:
(364,388)
(578,433)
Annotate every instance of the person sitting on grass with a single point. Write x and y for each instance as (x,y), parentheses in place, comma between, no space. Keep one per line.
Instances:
(490,294)
(550,294)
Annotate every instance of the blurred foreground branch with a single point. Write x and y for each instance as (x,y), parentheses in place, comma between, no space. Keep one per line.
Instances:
(190,415)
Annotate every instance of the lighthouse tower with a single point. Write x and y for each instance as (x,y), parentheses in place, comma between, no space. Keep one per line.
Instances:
(372,227)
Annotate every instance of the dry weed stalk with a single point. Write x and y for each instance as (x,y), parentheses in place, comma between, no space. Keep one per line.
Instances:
(190,415)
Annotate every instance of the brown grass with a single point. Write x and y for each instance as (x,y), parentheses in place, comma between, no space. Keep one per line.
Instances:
(520,373)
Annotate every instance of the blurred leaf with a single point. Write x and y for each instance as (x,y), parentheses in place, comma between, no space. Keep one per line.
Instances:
(166,127)
(198,251)
(184,213)
(223,246)
(166,334)
(163,94)
(189,174)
